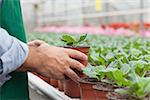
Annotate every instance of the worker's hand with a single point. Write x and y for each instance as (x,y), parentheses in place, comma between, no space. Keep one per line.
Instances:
(54,62)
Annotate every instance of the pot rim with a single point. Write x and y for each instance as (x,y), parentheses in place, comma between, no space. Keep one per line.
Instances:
(82,81)
(75,47)
(112,94)
(95,87)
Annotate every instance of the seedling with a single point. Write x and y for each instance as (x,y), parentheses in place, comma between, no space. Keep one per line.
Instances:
(72,41)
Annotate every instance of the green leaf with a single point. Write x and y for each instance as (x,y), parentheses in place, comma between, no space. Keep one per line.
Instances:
(110,58)
(69,40)
(125,68)
(140,67)
(141,88)
(82,38)
(100,72)
(114,74)
(122,91)
(135,52)
(147,57)
(133,76)
(90,71)
(119,78)
(101,59)
(93,59)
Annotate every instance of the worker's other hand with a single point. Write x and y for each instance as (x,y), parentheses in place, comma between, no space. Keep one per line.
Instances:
(54,62)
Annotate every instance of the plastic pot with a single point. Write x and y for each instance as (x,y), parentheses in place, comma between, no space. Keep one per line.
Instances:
(86,88)
(102,90)
(54,82)
(60,86)
(117,96)
(44,78)
(71,88)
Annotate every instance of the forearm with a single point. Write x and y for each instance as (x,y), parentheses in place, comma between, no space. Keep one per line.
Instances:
(12,54)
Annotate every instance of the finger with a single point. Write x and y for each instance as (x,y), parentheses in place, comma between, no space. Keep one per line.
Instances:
(76,65)
(72,75)
(77,54)
(30,43)
(36,43)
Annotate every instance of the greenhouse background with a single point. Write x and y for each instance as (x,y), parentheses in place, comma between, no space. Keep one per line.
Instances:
(84,12)
(102,20)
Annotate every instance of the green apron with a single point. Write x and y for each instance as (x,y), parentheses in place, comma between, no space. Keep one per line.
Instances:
(11,20)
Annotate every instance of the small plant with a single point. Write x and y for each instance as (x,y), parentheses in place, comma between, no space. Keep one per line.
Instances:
(72,41)
(139,89)
(109,75)
(131,76)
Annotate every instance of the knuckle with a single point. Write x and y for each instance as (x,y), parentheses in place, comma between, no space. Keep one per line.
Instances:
(65,50)
(68,61)
(78,64)
(65,70)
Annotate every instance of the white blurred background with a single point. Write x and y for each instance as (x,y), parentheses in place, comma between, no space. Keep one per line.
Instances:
(41,13)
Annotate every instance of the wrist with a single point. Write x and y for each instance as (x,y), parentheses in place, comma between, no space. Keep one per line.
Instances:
(33,60)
